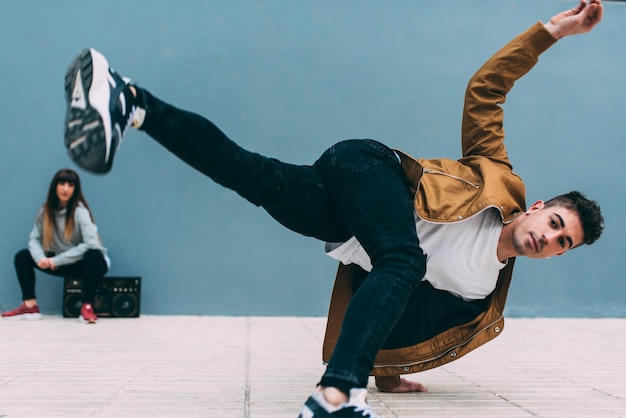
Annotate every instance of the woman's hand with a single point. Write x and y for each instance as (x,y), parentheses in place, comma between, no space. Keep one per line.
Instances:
(46,264)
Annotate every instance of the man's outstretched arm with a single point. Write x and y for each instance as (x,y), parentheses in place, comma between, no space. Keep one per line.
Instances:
(483,116)
(580,19)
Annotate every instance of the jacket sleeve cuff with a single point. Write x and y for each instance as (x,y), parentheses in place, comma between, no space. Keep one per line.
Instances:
(387,382)
(537,39)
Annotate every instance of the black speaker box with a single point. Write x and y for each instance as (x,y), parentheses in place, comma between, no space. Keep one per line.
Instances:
(116,297)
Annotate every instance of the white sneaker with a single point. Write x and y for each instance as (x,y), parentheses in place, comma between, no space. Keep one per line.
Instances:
(100,108)
(23,313)
(356,407)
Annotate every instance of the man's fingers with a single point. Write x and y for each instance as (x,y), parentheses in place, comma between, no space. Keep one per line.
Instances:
(593,15)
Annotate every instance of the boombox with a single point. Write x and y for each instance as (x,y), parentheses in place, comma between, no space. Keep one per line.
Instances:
(116,297)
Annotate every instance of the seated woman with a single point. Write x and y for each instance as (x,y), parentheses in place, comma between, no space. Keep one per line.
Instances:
(64,242)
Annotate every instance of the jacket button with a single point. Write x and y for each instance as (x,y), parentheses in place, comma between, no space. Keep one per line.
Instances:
(406,368)
(453,354)
(496,329)
(459,217)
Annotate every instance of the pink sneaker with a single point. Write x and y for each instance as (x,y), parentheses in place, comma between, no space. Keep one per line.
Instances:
(23,313)
(86,314)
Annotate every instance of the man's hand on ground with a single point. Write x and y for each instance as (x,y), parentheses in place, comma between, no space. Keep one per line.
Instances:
(406,386)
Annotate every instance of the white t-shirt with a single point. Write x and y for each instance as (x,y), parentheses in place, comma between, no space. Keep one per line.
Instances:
(461,256)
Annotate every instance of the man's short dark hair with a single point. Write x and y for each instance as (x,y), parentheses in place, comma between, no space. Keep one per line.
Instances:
(588,211)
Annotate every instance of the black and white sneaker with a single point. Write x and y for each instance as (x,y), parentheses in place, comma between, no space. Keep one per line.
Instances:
(357,407)
(100,107)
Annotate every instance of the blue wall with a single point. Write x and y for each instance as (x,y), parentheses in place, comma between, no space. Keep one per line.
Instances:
(290,78)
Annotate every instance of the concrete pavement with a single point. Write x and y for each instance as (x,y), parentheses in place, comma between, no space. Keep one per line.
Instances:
(253,367)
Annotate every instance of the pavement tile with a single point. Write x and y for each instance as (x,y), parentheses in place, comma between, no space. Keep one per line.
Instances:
(258,367)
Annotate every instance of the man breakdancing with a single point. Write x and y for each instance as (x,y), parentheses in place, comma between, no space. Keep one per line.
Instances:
(411,224)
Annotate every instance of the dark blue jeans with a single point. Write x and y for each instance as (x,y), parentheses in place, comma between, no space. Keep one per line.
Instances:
(356,188)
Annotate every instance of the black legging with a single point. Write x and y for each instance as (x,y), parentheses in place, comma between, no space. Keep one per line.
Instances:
(91,269)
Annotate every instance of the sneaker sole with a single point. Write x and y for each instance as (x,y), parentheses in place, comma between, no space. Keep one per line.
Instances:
(23,317)
(88,137)
(85,321)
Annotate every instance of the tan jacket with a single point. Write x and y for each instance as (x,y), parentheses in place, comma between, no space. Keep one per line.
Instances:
(448,191)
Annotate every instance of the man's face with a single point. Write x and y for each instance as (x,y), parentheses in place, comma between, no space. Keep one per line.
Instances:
(547,231)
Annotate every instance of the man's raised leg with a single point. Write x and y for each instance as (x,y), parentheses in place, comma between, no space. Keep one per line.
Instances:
(101,105)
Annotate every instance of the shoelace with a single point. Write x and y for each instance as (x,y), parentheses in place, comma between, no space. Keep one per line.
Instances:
(129,122)
(360,405)
(365,410)
(129,119)
(131,112)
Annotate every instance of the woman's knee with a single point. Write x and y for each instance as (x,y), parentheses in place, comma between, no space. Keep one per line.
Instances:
(95,262)
(22,258)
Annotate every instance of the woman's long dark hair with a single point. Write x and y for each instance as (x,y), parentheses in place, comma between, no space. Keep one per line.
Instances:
(52,204)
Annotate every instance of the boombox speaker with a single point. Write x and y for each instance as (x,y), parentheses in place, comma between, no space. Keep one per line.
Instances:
(116,297)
